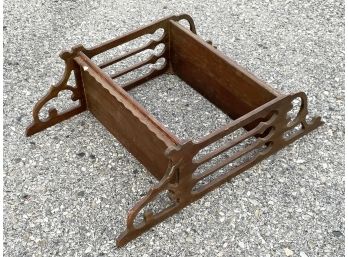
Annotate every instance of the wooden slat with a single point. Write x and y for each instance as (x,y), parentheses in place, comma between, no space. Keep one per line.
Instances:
(138,81)
(225,162)
(230,144)
(217,78)
(151,60)
(150,45)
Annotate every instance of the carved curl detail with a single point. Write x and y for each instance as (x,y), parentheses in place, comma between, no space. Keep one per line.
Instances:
(77,94)
(151,219)
(300,118)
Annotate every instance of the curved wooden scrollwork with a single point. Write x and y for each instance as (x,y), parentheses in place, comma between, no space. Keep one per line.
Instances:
(188,18)
(151,219)
(269,138)
(292,129)
(77,94)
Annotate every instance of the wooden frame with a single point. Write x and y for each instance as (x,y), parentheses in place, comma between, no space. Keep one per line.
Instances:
(260,111)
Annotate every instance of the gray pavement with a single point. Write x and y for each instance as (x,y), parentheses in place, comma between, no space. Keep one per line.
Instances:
(68,189)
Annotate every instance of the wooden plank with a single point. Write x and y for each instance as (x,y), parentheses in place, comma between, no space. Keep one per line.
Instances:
(132,128)
(217,78)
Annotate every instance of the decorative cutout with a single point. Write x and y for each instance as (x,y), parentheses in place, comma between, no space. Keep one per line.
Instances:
(185,24)
(295,110)
(53,116)
(130,48)
(157,205)
(188,19)
(295,130)
(140,59)
(143,58)
(247,157)
(149,218)
(224,154)
(71,81)
(59,104)
(158,34)
(159,49)
(219,143)
(128,62)
(142,72)
(257,134)
(159,64)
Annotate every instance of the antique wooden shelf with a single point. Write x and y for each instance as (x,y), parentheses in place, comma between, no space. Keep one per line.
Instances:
(265,118)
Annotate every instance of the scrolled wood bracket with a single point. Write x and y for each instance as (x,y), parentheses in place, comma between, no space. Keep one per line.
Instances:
(149,218)
(54,117)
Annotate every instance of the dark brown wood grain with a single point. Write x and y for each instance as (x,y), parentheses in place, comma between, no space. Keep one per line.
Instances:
(224,83)
(251,103)
(123,117)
